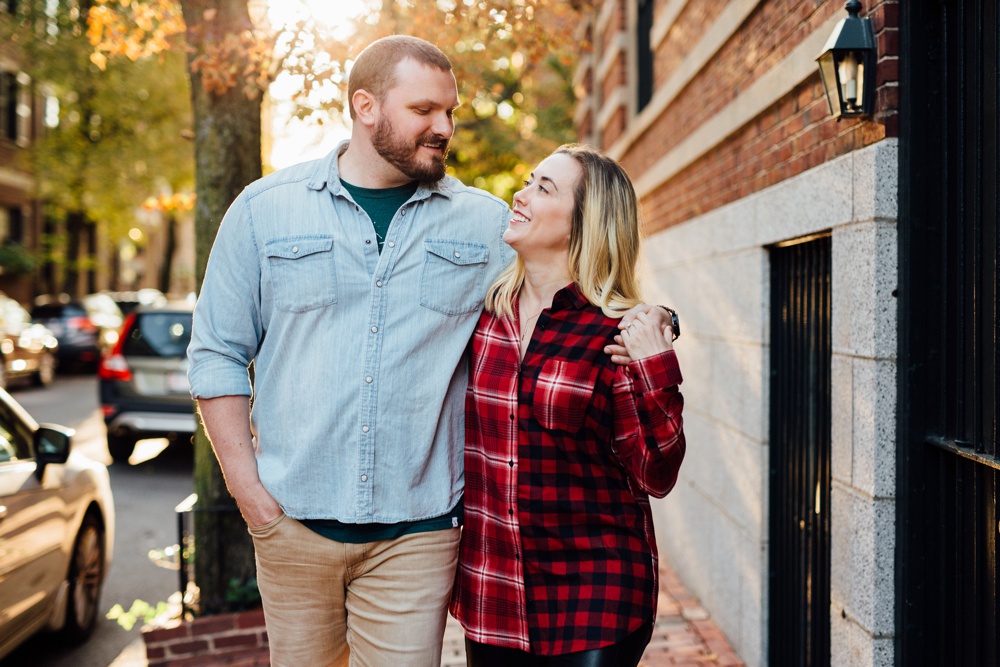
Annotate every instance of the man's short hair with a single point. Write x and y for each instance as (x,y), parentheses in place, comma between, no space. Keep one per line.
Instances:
(374,69)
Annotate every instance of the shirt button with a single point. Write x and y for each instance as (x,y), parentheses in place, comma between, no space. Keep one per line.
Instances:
(458,255)
(510,512)
(392,244)
(368,241)
(295,248)
(364,478)
(511,464)
(364,428)
(368,379)
(378,283)
(512,416)
(374,329)
(402,212)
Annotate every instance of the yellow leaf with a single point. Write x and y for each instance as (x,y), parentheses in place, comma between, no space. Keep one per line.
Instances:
(99,59)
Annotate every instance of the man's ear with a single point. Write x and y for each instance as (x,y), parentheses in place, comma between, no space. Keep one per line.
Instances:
(365,107)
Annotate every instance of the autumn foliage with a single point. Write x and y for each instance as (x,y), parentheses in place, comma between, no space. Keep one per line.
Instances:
(475,34)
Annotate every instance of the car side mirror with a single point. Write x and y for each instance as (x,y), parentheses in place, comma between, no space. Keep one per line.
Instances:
(52,443)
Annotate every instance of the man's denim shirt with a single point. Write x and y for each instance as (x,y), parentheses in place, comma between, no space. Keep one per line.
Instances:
(360,364)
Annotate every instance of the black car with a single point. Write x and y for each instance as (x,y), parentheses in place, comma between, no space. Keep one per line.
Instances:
(84,327)
(27,349)
(144,388)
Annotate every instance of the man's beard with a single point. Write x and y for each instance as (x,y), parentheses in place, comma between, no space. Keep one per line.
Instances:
(403,155)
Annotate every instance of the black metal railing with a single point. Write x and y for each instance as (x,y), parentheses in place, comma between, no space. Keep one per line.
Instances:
(947,569)
(187,558)
(799,571)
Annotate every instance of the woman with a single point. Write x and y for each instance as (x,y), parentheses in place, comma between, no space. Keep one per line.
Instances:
(558,560)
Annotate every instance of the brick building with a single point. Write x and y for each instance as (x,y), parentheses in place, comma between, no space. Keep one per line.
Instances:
(20,124)
(836,283)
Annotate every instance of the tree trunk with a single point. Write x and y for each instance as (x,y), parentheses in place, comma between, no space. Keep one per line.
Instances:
(167,267)
(74,230)
(227,158)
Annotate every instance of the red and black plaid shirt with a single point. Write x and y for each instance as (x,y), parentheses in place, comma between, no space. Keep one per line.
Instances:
(558,553)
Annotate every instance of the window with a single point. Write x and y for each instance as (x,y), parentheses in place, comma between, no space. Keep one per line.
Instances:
(644,54)
(15,438)
(8,105)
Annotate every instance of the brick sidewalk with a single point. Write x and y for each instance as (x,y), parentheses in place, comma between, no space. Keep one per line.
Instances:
(684,635)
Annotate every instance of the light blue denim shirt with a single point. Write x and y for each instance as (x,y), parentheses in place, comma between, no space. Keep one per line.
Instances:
(360,364)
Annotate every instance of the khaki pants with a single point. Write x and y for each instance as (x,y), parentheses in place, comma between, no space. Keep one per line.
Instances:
(333,603)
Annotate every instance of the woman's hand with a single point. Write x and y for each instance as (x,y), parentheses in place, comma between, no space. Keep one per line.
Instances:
(618,353)
(644,337)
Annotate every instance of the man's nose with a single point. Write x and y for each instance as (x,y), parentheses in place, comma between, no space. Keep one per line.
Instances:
(444,125)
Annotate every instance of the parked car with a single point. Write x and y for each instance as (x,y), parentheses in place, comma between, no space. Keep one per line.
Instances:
(57,527)
(27,349)
(130,300)
(144,389)
(84,327)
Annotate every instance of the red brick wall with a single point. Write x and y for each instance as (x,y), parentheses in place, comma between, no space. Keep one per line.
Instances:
(795,134)
(237,640)
(684,34)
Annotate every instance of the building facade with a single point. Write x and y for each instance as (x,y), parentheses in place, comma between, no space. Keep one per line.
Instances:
(20,212)
(777,233)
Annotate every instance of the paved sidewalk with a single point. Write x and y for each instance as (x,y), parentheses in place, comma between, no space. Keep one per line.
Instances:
(684,636)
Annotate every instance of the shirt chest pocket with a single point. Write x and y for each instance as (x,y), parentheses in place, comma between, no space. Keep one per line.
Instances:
(563,392)
(453,277)
(303,275)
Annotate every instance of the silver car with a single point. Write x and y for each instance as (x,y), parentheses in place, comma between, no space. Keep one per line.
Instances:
(57,527)
(144,389)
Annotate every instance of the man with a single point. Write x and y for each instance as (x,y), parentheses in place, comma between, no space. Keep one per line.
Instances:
(354,283)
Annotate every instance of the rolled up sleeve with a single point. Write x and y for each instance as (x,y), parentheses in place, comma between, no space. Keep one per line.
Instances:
(227,327)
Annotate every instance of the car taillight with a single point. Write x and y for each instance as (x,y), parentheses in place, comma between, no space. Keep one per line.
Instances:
(113,365)
(81,324)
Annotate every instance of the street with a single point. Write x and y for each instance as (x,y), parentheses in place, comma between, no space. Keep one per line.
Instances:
(145,492)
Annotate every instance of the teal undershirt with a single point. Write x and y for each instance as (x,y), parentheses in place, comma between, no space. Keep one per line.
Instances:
(381,206)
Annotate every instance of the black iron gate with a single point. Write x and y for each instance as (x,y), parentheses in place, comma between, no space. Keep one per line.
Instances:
(799,570)
(948,453)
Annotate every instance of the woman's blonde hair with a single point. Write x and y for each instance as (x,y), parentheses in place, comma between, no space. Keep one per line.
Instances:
(603,240)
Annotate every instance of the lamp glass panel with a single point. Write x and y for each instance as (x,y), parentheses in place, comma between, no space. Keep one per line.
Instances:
(828,73)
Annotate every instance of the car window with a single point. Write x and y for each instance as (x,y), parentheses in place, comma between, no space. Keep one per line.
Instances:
(15,438)
(57,310)
(159,335)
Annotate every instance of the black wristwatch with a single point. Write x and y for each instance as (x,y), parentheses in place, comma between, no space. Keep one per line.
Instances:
(675,324)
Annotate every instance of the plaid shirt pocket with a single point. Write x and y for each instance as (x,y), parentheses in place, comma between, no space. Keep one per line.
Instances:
(563,392)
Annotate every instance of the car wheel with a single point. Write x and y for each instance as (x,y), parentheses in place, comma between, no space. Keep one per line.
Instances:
(46,370)
(120,447)
(86,575)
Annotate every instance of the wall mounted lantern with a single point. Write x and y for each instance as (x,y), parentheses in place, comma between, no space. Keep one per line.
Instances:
(847,65)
